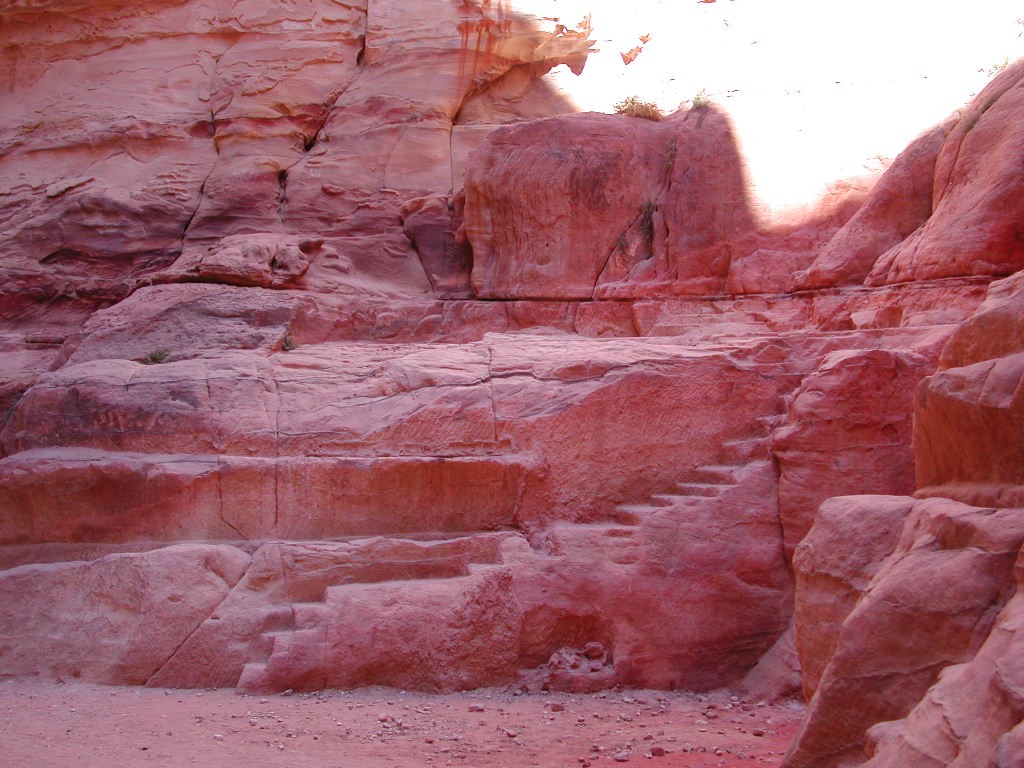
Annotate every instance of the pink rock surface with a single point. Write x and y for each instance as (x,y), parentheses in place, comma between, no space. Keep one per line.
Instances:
(139,608)
(68,495)
(284,576)
(448,634)
(608,166)
(616,206)
(777,675)
(995,329)
(516,432)
(931,604)
(230,119)
(851,539)
(899,204)
(972,715)
(969,415)
(534,420)
(831,444)
(547,609)
(977,199)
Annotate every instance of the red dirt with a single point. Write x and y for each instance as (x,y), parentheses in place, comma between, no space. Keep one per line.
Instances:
(49,724)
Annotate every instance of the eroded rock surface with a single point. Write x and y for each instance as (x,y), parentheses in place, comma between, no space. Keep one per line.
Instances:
(113,620)
(968,429)
(932,603)
(335,353)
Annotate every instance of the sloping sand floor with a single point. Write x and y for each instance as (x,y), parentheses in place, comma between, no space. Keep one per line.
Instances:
(55,725)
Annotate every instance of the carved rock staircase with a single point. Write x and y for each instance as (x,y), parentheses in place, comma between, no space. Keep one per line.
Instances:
(276,654)
(621,537)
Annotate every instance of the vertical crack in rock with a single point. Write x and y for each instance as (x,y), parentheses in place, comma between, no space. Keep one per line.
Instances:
(490,381)
(611,252)
(332,100)
(216,148)
(777,514)
(427,274)
(220,501)
(451,157)
(644,220)
(282,192)
(202,186)
(669,167)
(275,392)
(213,166)
(202,621)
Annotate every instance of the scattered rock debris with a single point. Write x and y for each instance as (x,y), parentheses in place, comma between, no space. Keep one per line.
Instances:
(47,723)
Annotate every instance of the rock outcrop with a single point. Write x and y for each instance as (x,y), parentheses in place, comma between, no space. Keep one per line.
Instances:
(969,416)
(950,205)
(115,619)
(336,354)
(907,611)
(932,603)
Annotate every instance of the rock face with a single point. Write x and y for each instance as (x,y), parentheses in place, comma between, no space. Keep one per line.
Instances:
(906,612)
(140,608)
(948,206)
(855,441)
(899,204)
(977,193)
(968,415)
(931,603)
(852,538)
(972,715)
(659,203)
(336,354)
(226,119)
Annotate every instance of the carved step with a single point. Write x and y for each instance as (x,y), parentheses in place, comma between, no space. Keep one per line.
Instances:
(308,615)
(676,499)
(699,489)
(698,486)
(749,449)
(631,514)
(716,474)
(589,542)
(263,645)
(252,677)
(411,561)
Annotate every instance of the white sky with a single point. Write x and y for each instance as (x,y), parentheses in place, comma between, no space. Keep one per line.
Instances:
(818,90)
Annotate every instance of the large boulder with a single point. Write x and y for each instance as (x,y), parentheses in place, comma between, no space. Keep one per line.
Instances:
(114,620)
(848,430)
(607,205)
(978,195)
(931,604)
(852,538)
(969,416)
(971,717)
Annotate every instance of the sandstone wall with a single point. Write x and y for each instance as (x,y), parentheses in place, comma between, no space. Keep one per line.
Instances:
(274,377)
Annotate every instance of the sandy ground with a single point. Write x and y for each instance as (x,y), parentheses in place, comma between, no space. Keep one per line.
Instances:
(49,724)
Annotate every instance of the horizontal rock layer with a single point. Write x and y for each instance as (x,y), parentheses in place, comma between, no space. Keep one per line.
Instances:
(326,364)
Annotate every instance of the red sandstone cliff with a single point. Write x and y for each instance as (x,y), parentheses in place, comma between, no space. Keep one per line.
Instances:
(314,375)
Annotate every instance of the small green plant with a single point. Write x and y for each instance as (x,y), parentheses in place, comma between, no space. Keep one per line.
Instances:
(701,101)
(634,106)
(155,357)
(288,344)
